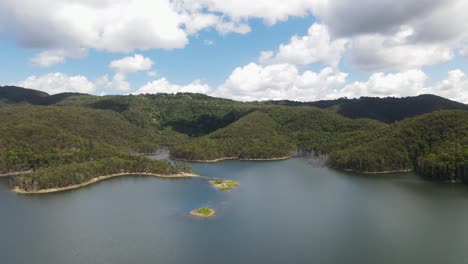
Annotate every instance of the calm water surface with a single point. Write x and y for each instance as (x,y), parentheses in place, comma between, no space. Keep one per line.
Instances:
(282,212)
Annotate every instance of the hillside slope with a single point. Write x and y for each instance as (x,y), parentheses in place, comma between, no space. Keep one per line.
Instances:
(12,95)
(434,145)
(62,146)
(273,132)
(255,136)
(83,128)
(387,110)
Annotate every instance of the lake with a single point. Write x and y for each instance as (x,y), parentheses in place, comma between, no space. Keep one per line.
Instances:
(282,212)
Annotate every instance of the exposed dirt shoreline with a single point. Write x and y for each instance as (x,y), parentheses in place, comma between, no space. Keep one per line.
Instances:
(101,178)
(234,158)
(15,173)
(381,172)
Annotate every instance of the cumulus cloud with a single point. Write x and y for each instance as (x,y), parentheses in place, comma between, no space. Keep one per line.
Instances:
(389,34)
(197,21)
(271,11)
(348,18)
(317,46)
(117,26)
(52,57)
(164,86)
(378,52)
(123,67)
(408,83)
(279,81)
(127,25)
(255,82)
(404,47)
(117,83)
(455,87)
(436,27)
(152,73)
(464,51)
(54,83)
(133,64)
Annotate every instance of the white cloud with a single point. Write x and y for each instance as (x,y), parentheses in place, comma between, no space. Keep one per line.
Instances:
(164,86)
(271,11)
(54,83)
(455,87)
(408,83)
(118,83)
(152,73)
(437,27)
(432,20)
(197,21)
(370,52)
(315,47)
(133,64)
(52,57)
(117,26)
(128,25)
(123,67)
(285,81)
(396,34)
(279,81)
(464,51)
(378,52)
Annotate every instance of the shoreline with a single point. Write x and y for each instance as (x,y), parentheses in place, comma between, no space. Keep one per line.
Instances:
(15,173)
(102,178)
(234,158)
(380,172)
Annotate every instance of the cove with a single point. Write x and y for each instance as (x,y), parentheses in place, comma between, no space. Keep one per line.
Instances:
(282,212)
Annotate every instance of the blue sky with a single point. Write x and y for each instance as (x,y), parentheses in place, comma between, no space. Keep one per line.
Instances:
(198,60)
(301,50)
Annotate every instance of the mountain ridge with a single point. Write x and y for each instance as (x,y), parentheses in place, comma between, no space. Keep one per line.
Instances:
(77,128)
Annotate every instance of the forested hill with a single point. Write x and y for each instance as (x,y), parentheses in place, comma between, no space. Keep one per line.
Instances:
(434,145)
(62,140)
(198,114)
(11,95)
(387,110)
(46,133)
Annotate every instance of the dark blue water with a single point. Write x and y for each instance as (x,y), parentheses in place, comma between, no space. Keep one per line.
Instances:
(282,212)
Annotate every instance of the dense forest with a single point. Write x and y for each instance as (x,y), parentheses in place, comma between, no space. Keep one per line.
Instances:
(434,145)
(69,138)
(388,110)
(255,136)
(69,145)
(79,172)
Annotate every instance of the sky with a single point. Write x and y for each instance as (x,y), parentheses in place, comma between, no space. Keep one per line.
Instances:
(247,50)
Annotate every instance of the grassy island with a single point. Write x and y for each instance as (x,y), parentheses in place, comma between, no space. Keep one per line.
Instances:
(224,185)
(203,212)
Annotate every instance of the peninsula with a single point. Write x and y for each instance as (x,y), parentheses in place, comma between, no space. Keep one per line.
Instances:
(102,178)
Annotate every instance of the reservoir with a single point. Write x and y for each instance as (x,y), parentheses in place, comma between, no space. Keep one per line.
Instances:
(282,212)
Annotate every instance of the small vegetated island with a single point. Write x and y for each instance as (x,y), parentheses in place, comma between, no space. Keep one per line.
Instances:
(224,185)
(63,141)
(203,212)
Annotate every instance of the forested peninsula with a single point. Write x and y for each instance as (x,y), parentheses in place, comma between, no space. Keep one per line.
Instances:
(70,139)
